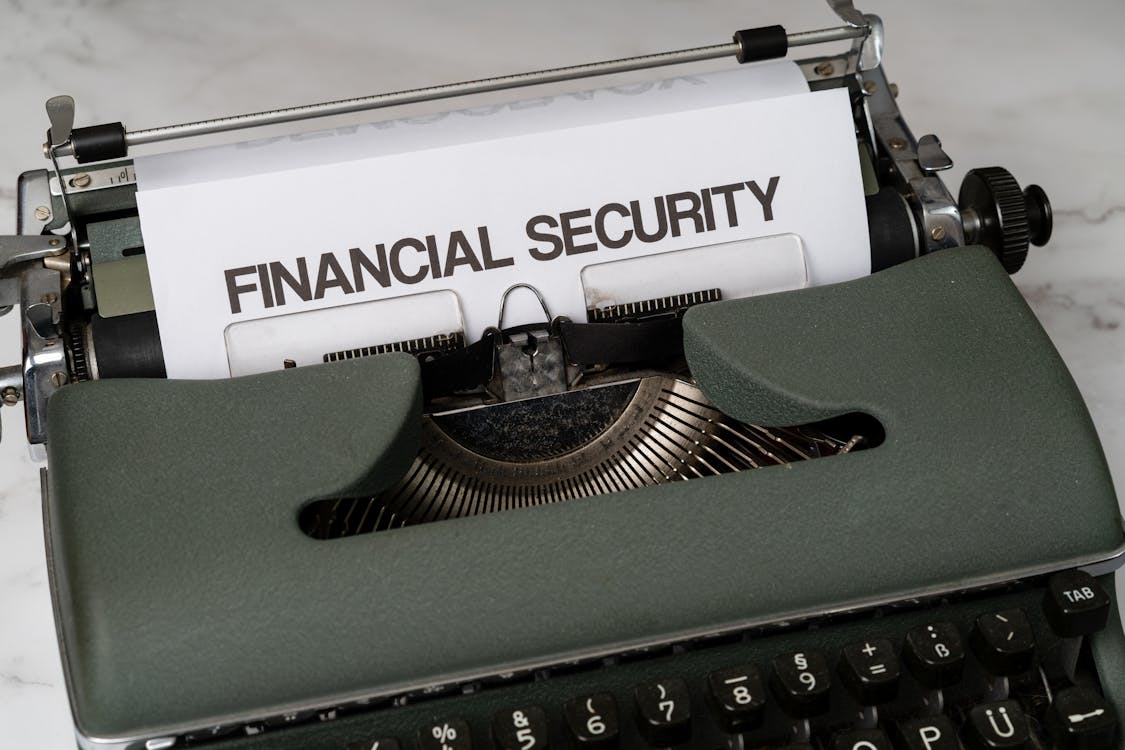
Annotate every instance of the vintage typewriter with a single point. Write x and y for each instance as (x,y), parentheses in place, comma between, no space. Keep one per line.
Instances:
(862,516)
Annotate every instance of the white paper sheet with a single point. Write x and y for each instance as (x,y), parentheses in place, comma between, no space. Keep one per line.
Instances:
(475,204)
(778,266)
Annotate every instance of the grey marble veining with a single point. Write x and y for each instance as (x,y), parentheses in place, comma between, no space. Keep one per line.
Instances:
(1021,84)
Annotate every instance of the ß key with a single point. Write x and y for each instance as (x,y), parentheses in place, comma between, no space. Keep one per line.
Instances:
(935,654)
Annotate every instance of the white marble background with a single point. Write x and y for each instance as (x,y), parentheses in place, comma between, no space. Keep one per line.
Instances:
(1026,85)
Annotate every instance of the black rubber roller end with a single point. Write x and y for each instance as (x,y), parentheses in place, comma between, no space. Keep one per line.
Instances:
(99,142)
(763,43)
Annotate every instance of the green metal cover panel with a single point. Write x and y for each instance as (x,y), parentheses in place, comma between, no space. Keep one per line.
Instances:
(186,592)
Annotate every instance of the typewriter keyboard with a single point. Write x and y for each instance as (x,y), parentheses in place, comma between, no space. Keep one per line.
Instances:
(999,670)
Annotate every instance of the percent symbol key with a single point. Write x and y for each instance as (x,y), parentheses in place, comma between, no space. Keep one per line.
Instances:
(445,735)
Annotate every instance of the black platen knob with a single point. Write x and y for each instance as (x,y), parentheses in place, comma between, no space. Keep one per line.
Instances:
(1002,217)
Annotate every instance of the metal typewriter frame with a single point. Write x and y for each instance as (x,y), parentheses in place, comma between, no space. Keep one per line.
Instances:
(35,267)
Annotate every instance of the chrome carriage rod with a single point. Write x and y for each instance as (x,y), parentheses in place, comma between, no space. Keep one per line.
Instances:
(500,83)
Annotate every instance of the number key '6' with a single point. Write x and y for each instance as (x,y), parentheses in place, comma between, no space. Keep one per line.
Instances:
(592,720)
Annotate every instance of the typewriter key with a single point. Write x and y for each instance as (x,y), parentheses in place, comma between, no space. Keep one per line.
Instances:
(664,712)
(386,743)
(522,728)
(997,726)
(1075,604)
(928,733)
(870,670)
(1082,720)
(802,683)
(861,739)
(445,735)
(935,654)
(737,696)
(592,720)
(1004,642)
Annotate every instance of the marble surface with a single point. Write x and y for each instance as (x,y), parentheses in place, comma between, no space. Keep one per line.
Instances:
(1013,82)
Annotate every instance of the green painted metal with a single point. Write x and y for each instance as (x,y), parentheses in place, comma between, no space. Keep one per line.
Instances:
(186,593)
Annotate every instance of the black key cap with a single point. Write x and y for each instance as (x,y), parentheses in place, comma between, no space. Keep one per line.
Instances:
(1075,604)
(1004,642)
(385,743)
(861,739)
(664,712)
(870,671)
(520,729)
(996,726)
(592,720)
(935,654)
(737,695)
(1082,720)
(445,735)
(802,683)
(928,733)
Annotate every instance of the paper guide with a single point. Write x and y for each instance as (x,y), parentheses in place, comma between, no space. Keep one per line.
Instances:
(474,202)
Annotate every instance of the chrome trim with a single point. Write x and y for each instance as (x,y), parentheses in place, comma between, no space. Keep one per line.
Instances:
(44,356)
(106,176)
(1095,566)
(933,203)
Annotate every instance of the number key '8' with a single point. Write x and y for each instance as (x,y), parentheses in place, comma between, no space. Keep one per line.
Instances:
(737,695)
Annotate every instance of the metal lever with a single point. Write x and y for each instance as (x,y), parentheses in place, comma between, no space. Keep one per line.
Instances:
(21,248)
(931,157)
(60,113)
(847,12)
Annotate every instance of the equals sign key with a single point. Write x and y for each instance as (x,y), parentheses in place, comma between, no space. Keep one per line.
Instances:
(870,670)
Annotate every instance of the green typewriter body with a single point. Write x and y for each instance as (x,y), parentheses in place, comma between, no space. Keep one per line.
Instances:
(211,612)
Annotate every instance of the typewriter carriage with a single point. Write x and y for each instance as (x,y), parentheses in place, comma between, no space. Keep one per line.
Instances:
(78,258)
